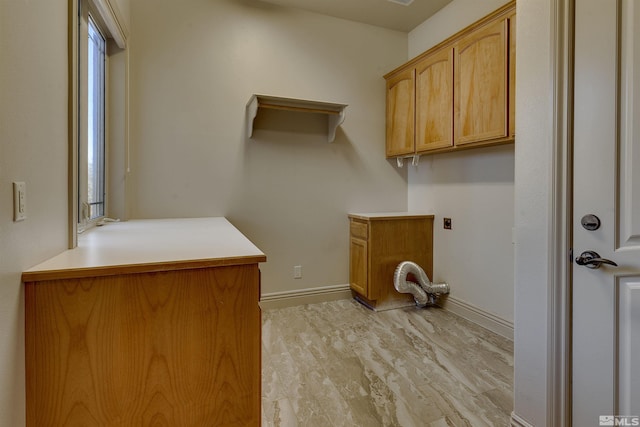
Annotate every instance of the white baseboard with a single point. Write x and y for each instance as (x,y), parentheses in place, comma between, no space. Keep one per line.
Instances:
(304,296)
(517,421)
(477,315)
(336,292)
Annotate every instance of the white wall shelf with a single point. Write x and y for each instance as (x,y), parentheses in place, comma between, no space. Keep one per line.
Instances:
(335,112)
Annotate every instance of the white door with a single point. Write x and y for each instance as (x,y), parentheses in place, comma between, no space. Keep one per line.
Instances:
(606,300)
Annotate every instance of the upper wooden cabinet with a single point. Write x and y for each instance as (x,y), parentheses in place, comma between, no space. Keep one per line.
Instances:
(434,101)
(459,94)
(481,85)
(400,113)
(420,106)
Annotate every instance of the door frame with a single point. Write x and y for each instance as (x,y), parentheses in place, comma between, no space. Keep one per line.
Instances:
(558,334)
(559,396)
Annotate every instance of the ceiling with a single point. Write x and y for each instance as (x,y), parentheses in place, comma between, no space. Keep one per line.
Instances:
(382,13)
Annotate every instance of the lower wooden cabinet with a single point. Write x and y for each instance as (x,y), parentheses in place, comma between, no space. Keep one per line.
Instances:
(378,243)
(169,348)
(146,323)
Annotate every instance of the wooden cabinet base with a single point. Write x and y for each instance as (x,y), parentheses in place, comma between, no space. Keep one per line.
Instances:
(171,348)
(379,242)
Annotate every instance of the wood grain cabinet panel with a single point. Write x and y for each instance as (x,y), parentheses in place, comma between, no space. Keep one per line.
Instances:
(358,266)
(359,229)
(392,238)
(481,85)
(400,114)
(171,348)
(434,101)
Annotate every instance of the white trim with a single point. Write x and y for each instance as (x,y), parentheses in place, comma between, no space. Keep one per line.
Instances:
(458,307)
(517,421)
(304,296)
(112,18)
(559,300)
(73,125)
(479,316)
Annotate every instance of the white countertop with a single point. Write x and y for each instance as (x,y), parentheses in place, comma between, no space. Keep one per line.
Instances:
(139,243)
(382,215)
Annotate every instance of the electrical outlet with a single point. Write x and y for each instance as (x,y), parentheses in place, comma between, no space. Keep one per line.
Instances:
(447,223)
(19,201)
(297,272)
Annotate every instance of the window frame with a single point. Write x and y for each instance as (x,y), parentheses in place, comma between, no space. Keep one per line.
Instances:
(108,19)
(85,219)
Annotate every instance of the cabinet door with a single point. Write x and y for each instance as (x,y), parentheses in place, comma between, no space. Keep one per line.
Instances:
(512,75)
(400,114)
(481,85)
(358,266)
(434,101)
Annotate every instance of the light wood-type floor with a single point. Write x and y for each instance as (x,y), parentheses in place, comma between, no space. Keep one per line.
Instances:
(340,364)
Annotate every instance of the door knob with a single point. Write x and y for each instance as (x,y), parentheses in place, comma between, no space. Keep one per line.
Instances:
(591,259)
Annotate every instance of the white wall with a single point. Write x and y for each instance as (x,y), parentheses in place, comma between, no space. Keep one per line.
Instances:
(125,9)
(33,149)
(534,192)
(474,188)
(449,20)
(194,66)
(118,142)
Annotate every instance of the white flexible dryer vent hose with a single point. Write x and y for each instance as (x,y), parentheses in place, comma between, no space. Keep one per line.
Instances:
(424,293)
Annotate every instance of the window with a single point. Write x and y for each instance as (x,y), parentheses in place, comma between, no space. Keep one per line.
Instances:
(95,148)
(98,72)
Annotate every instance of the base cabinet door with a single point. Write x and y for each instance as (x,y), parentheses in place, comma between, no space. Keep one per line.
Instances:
(358,266)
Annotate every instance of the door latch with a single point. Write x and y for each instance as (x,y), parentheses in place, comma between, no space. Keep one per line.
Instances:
(592,259)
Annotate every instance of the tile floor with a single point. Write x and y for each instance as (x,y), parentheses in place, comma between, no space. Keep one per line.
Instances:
(340,364)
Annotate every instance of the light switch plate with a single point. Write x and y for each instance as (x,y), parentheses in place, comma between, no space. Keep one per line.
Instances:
(19,201)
